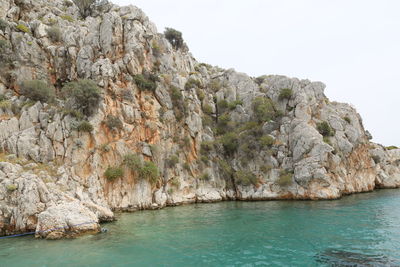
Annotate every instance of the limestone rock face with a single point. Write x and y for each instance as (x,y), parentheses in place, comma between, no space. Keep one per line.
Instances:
(212,134)
(67,219)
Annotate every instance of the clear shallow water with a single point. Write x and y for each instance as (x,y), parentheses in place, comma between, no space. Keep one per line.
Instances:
(276,233)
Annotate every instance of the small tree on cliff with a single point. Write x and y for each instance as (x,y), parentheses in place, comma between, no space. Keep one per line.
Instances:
(86,6)
(174,37)
(84,94)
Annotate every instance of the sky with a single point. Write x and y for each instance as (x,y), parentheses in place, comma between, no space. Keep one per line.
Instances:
(353,46)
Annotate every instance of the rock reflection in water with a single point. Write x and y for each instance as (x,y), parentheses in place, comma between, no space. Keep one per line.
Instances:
(335,257)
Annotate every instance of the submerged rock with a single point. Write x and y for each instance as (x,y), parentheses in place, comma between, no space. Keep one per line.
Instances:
(334,257)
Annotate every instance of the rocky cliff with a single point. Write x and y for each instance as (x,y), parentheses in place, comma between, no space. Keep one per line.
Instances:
(167,129)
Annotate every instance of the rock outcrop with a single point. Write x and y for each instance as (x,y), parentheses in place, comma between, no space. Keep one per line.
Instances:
(212,134)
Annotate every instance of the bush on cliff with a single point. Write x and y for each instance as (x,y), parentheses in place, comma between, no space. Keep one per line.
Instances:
(86,6)
(325,129)
(85,126)
(230,142)
(54,34)
(3,25)
(113,123)
(264,109)
(150,172)
(245,178)
(285,178)
(113,173)
(85,95)
(145,83)
(174,37)
(285,93)
(37,90)
(133,162)
(192,83)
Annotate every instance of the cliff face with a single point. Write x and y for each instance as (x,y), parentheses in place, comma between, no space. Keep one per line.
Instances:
(213,134)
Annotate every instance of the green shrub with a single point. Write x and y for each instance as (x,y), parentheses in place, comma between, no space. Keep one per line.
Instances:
(6,53)
(144,84)
(204,159)
(23,28)
(285,93)
(113,173)
(391,147)
(245,178)
(347,119)
(172,161)
(156,49)
(186,166)
(113,122)
(67,3)
(226,169)
(74,113)
(85,6)
(266,168)
(178,103)
(11,187)
(215,85)
(192,83)
(207,109)
(222,106)
(200,94)
(325,129)
(285,178)
(230,142)
(127,95)
(206,120)
(150,172)
(176,94)
(67,18)
(85,94)
(175,182)
(85,126)
(54,33)
(174,37)
(105,148)
(224,124)
(259,80)
(5,104)
(3,25)
(37,90)
(264,109)
(206,147)
(133,162)
(234,104)
(267,141)
(205,177)
(327,140)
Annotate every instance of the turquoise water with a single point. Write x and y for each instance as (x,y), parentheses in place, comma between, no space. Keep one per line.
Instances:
(276,233)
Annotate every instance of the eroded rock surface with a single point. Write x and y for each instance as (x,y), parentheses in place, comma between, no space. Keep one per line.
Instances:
(213,134)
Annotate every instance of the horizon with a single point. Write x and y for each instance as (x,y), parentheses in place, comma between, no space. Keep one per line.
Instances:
(354,53)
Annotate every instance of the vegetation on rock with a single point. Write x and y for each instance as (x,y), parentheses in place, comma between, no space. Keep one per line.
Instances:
(85,95)
(113,173)
(285,93)
(145,83)
(113,122)
(37,90)
(54,33)
(85,126)
(174,37)
(325,129)
(245,178)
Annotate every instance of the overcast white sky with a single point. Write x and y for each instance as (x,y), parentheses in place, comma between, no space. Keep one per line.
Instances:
(353,46)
